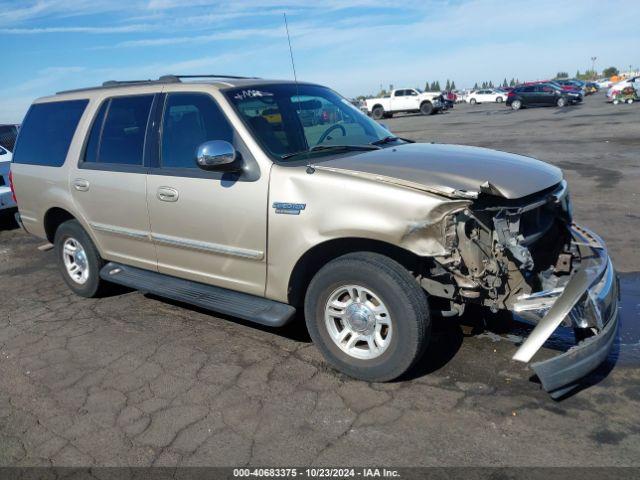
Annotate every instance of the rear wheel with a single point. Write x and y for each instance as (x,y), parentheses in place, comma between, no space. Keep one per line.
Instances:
(473,101)
(377,113)
(79,260)
(516,105)
(368,316)
(499,100)
(426,108)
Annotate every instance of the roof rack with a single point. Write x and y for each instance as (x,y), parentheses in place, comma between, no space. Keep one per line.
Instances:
(162,79)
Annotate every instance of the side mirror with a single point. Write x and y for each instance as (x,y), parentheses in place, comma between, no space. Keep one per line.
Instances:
(217,155)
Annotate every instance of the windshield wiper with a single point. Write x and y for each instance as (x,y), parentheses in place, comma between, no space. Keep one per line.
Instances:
(329,148)
(384,140)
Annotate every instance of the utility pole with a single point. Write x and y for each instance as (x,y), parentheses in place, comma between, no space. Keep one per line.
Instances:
(593,67)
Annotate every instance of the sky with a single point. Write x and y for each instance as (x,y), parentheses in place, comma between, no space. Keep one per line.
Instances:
(353,46)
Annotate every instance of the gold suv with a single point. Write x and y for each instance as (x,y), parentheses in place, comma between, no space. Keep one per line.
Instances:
(257,198)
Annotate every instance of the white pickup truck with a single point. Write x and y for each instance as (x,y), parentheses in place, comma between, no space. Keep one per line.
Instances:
(404,100)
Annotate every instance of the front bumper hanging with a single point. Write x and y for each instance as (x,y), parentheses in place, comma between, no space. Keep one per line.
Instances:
(590,298)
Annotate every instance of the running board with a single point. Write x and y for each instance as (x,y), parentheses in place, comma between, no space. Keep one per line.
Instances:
(248,307)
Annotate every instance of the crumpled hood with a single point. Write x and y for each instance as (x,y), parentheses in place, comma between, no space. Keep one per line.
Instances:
(452,170)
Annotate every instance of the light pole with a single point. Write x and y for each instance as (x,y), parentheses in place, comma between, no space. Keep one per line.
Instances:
(593,66)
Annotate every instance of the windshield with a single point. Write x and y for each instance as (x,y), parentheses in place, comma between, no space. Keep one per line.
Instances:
(289,120)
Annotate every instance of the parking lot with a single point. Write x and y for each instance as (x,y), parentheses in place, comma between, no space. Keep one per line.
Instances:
(136,380)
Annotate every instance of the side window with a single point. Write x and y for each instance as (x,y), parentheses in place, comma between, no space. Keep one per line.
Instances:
(399,93)
(91,150)
(190,119)
(529,89)
(123,133)
(47,131)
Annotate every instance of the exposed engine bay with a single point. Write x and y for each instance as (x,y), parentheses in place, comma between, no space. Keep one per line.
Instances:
(500,250)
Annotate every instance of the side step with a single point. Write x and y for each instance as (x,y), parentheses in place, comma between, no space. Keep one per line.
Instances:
(248,307)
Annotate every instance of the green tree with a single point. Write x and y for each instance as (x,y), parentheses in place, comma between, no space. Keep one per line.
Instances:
(577,74)
(512,83)
(427,86)
(453,85)
(562,75)
(610,72)
(475,87)
(490,84)
(504,82)
(448,86)
(437,89)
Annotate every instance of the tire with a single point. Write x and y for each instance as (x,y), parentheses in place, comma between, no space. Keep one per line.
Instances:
(426,108)
(562,102)
(381,281)
(388,115)
(516,105)
(377,113)
(630,101)
(87,284)
(499,100)
(616,102)
(473,101)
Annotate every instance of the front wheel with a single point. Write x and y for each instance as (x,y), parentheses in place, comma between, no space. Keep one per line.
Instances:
(426,108)
(473,101)
(78,260)
(368,316)
(562,102)
(516,105)
(377,113)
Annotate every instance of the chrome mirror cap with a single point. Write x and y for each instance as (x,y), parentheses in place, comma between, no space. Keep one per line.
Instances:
(216,155)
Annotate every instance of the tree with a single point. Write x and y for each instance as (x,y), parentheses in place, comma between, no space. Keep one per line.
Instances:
(484,84)
(390,87)
(610,72)
(448,86)
(562,75)
(475,87)
(577,74)
(490,84)
(427,86)
(512,83)
(453,85)
(437,89)
(504,82)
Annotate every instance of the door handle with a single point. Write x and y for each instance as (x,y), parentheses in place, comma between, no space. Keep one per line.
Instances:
(167,194)
(80,184)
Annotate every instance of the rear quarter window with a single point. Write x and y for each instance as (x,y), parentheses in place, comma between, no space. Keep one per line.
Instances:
(47,131)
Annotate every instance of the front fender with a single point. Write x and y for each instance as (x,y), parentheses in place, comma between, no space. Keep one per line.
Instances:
(328,205)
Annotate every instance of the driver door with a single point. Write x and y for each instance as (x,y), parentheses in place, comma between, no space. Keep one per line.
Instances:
(208,226)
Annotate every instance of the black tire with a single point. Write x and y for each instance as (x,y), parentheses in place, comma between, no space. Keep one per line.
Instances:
(377,113)
(94,286)
(499,100)
(473,101)
(561,102)
(426,108)
(516,104)
(401,294)
(388,115)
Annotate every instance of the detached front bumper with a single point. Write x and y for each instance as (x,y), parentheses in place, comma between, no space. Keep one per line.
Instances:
(589,302)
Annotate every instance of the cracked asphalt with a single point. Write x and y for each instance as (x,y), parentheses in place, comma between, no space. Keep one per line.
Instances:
(136,380)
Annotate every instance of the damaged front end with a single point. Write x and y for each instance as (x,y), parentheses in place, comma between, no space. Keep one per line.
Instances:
(526,256)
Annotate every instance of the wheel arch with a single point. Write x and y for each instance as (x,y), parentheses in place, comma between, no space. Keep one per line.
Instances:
(53,218)
(319,255)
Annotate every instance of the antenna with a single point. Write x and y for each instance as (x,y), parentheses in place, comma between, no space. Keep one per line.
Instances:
(293,65)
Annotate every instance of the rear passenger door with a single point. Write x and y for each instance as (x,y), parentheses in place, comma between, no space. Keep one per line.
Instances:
(109,183)
(208,226)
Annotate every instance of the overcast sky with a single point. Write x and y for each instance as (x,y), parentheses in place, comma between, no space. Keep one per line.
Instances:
(354,46)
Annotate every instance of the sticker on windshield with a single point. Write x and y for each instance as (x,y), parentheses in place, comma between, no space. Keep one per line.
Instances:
(251,94)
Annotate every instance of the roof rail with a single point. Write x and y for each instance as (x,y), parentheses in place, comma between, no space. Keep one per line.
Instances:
(162,79)
(177,78)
